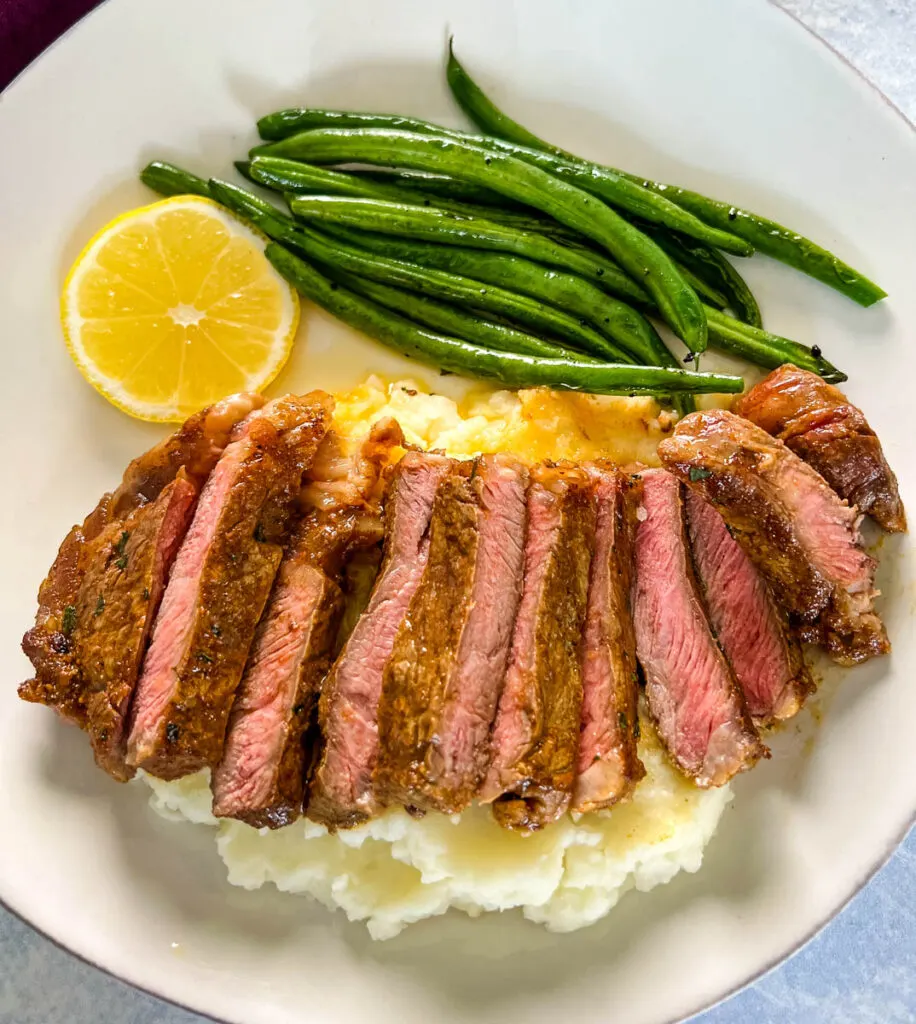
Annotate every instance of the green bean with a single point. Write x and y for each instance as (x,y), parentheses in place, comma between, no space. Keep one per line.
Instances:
(756,346)
(775,240)
(636,253)
(295,120)
(764,234)
(510,368)
(292,176)
(741,300)
(700,263)
(708,292)
(441,226)
(436,185)
(484,113)
(693,270)
(611,186)
(766,349)
(169,180)
(573,295)
(455,322)
(449,287)
(635,333)
(430,223)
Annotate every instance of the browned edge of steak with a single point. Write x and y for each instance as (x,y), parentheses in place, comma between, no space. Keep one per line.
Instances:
(461,757)
(443,679)
(416,675)
(262,775)
(608,766)
(765,657)
(127,567)
(536,734)
(691,692)
(219,586)
(341,793)
(796,530)
(824,428)
(49,644)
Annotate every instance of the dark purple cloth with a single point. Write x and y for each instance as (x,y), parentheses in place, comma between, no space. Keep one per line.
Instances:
(28,26)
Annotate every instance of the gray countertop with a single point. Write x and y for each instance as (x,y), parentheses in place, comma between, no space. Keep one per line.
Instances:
(860,970)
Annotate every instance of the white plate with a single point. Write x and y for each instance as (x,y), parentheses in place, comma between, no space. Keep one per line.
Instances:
(730,97)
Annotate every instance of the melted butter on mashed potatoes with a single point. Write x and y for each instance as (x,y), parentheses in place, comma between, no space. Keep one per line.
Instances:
(397,869)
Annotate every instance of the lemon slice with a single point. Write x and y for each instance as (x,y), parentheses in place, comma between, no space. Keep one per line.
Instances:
(173,306)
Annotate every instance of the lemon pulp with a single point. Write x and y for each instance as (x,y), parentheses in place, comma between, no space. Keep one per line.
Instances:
(172,306)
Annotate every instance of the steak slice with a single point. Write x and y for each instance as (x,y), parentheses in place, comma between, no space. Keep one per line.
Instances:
(341,792)
(219,585)
(802,537)
(608,765)
(824,428)
(443,679)
(261,777)
(535,738)
(50,644)
(692,694)
(766,660)
(127,567)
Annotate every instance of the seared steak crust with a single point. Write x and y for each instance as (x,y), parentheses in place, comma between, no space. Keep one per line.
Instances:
(802,537)
(127,567)
(219,585)
(609,766)
(50,644)
(536,734)
(824,428)
(766,659)
(443,679)
(341,793)
(692,694)
(261,777)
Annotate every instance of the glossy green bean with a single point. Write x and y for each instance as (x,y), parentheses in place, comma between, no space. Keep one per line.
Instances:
(292,176)
(762,233)
(437,225)
(169,180)
(637,254)
(758,347)
(709,272)
(741,300)
(501,302)
(456,322)
(436,185)
(624,326)
(708,292)
(511,369)
(766,349)
(611,186)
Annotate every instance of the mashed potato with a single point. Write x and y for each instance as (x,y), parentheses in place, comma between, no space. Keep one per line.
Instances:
(397,869)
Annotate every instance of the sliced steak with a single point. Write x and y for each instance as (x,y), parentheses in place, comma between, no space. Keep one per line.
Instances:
(445,674)
(127,568)
(796,530)
(341,792)
(51,644)
(535,737)
(766,659)
(824,428)
(608,766)
(219,585)
(261,777)
(691,691)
